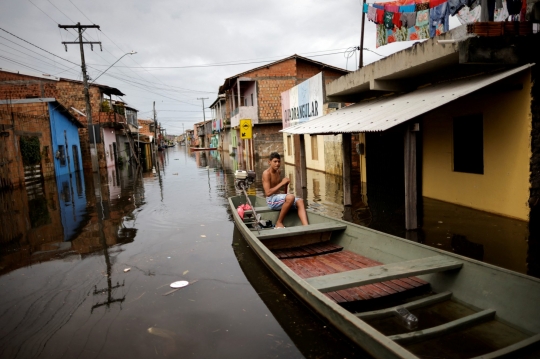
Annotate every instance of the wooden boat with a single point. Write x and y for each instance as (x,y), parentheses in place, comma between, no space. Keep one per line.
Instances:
(203,148)
(356,279)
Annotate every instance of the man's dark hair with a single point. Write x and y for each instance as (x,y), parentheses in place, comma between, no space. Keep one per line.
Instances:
(274,155)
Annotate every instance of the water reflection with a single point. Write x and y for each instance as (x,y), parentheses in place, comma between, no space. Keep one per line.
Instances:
(72,298)
(66,214)
(475,234)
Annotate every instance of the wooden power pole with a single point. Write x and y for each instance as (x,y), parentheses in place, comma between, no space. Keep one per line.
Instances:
(81,28)
(203,114)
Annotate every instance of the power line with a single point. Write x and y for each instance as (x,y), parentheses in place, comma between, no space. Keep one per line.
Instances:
(37,53)
(71,62)
(19,63)
(219,65)
(120,79)
(43,11)
(59,10)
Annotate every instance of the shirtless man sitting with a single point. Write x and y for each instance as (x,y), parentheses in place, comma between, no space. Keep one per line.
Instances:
(272,184)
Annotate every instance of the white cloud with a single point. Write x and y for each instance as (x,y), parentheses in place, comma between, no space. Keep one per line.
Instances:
(181,33)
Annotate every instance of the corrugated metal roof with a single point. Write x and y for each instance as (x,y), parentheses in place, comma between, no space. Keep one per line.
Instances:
(385,112)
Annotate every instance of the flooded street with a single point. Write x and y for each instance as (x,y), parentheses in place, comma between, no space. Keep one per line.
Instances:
(66,292)
(86,265)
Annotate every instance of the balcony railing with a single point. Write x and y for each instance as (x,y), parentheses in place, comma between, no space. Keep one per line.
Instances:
(244,112)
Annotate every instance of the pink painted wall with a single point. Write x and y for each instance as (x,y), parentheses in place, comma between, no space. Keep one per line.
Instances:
(108,139)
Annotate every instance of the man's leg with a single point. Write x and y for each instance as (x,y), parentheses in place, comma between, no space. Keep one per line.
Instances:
(302,211)
(289,200)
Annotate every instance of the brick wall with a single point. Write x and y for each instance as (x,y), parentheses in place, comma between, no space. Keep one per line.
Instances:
(68,93)
(20,120)
(267,139)
(282,69)
(145,130)
(269,97)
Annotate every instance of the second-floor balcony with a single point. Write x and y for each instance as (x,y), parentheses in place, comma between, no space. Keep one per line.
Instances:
(244,112)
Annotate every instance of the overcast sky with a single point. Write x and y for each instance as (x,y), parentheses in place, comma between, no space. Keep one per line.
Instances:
(180,33)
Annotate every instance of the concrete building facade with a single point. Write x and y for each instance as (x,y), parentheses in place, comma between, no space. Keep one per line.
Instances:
(256,95)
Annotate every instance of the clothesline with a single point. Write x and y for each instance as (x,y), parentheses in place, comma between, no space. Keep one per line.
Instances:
(410,20)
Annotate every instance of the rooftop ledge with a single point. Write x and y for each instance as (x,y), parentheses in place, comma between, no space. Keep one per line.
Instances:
(406,69)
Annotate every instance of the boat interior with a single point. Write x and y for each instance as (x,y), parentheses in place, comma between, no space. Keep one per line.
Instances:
(432,303)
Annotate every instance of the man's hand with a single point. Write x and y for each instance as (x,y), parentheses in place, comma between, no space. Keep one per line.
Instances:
(285,181)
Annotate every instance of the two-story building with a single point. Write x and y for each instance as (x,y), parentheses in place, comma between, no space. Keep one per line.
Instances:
(256,94)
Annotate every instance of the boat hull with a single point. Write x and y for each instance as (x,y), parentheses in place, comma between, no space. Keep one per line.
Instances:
(203,148)
(479,285)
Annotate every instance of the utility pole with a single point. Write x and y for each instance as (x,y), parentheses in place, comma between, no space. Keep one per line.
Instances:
(81,28)
(155,124)
(361,62)
(203,98)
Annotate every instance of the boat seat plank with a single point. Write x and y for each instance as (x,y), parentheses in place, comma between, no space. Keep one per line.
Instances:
(445,328)
(313,267)
(306,251)
(298,230)
(264,209)
(331,263)
(381,273)
(511,349)
(357,262)
(424,302)
(381,290)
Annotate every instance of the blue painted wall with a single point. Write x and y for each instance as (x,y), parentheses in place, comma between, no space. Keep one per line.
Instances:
(62,131)
(72,201)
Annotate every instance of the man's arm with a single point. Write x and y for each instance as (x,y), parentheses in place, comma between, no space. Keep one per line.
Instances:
(268,190)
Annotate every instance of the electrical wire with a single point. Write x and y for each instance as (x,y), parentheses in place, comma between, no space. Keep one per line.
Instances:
(221,65)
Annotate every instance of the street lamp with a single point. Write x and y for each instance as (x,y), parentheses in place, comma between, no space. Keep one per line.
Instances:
(129,53)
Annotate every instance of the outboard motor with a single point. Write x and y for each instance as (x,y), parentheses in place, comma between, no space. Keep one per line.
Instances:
(243,179)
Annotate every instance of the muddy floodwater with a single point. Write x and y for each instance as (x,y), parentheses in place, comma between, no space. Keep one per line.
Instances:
(86,265)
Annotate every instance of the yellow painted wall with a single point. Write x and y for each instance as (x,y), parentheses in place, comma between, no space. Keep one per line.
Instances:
(289,155)
(329,150)
(504,186)
(318,164)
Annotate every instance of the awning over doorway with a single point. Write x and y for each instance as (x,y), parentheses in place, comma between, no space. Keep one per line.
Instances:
(385,112)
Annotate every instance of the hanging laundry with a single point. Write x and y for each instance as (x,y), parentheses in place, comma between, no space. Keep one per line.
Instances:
(422,6)
(396,20)
(408,19)
(502,13)
(418,33)
(435,3)
(381,36)
(468,16)
(407,8)
(400,33)
(422,18)
(372,14)
(365,8)
(455,5)
(391,8)
(380,17)
(523,11)
(411,20)
(439,19)
(388,18)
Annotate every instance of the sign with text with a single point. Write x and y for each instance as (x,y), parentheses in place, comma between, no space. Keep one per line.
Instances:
(303,102)
(245,129)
